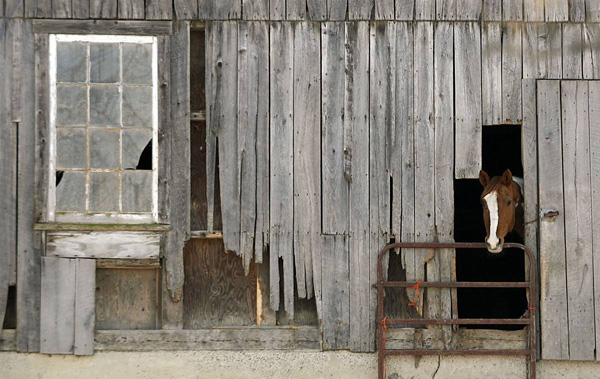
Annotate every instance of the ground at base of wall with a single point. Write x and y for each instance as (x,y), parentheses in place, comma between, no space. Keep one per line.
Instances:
(275,364)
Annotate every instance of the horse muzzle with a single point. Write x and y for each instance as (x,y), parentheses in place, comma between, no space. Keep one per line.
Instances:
(495,249)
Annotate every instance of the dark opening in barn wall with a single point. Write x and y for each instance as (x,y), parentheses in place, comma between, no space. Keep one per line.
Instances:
(501,149)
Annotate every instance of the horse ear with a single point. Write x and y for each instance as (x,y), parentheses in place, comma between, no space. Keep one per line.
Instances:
(507,177)
(484,178)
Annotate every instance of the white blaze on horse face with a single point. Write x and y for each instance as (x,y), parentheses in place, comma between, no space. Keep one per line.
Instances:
(492,203)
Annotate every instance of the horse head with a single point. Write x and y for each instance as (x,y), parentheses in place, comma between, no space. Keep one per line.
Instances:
(500,199)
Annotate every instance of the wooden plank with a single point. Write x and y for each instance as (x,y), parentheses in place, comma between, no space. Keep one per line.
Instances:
(360,9)
(468,10)
(542,51)
(128,263)
(384,10)
(127,298)
(425,9)
(122,245)
(592,11)
(211,45)
(578,218)
(296,9)
(533,10)
(164,128)
(264,314)
(217,291)
(557,10)
(469,339)
(356,120)
(8,340)
(81,9)
(577,10)
(317,10)
(17,78)
(62,8)
(445,10)
(307,149)
(159,10)
(491,73)
(255,9)
(57,321)
(43,9)
(277,9)
(102,27)
(131,9)
(512,69)
(334,178)
(186,9)
(336,10)
(554,319)
(85,317)
(591,51)
(492,10)
(13,8)
(102,9)
(336,293)
(443,166)
(594,112)
(226,338)
(467,149)
(64,227)
(7,187)
(572,51)
(281,130)
(512,10)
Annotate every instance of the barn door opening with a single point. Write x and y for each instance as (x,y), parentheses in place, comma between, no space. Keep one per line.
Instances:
(501,149)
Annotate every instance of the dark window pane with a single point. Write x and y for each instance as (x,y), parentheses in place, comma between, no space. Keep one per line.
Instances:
(71,62)
(70,148)
(137,63)
(104,105)
(104,63)
(134,142)
(104,148)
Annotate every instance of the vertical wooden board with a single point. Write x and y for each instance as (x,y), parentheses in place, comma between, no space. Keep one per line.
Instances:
(336,10)
(554,320)
(425,9)
(468,10)
(384,10)
(80,9)
(159,10)
(492,10)
(594,114)
(132,9)
(356,123)
(13,8)
(334,178)
(491,73)
(127,299)
(572,51)
(198,203)
(533,10)
(557,10)
(57,321)
(255,9)
(467,79)
(591,51)
(424,150)
(41,9)
(512,10)
(164,129)
(441,266)
(307,150)
(295,9)
(217,292)
(85,317)
(282,161)
(264,314)
(103,9)
(512,69)
(358,9)
(578,218)
(336,293)
(185,9)
(542,51)
(577,10)
(405,9)
(219,10)
(211,46)
(276,9)
(592,11)
(317,10)
(445,10)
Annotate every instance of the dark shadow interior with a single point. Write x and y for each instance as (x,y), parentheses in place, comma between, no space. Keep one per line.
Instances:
(501,149)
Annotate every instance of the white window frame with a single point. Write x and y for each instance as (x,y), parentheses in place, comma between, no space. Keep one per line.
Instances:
(100,217)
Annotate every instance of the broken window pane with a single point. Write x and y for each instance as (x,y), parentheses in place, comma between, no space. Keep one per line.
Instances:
(104,148)
(70,192)
(104,63)
(71,105)
(134,142)
(70,148)
(137,63)
(137,191)
(104,105)
(104,191)
(137,107)
(71,62)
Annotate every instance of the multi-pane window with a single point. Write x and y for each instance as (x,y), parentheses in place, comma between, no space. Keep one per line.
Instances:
(103,125)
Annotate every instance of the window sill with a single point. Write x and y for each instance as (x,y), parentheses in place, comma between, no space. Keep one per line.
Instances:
(76,227)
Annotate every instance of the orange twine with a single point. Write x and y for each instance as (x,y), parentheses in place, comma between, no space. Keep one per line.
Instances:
(416,288)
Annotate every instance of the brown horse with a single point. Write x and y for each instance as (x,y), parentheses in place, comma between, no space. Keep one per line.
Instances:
(502,202)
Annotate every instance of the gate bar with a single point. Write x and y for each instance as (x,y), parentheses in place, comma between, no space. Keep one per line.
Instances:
(529,322)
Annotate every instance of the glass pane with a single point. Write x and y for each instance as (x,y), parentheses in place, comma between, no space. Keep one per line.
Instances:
(134,143)
(104,105)
(70,148)
(70,191)
(137,63)
(104,148)
(104,63)
(71,104)
(137,191)
(104,191)
(137,107)
(70,62)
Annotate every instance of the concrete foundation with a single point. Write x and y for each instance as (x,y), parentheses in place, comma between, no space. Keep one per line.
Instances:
(276,364)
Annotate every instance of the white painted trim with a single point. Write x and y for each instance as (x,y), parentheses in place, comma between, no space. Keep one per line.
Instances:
(103,38)
(51,206)
(103,218)
(154,128)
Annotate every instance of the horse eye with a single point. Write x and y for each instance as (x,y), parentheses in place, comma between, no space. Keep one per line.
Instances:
(509,202)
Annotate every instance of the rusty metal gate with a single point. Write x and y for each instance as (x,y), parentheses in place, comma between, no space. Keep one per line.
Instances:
(382,322)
